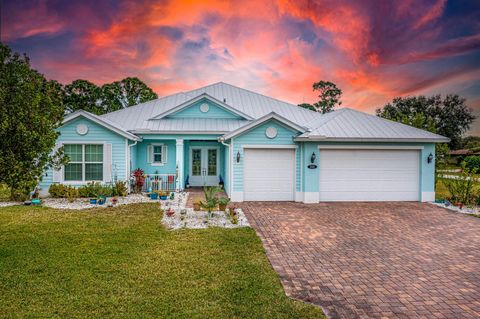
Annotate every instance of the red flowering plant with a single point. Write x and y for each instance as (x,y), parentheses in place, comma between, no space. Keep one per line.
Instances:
(139,179)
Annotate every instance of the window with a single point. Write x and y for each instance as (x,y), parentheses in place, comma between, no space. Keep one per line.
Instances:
(157,154)
(86,162)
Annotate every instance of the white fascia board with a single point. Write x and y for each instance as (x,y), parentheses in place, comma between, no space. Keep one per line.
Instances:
(198,98)
(270,146)
(261,120)
(385,140)
(101,122)
(370,147)
(146,132)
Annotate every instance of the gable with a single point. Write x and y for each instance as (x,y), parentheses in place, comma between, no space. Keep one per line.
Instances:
(95,132)
(204,108)
(258,134)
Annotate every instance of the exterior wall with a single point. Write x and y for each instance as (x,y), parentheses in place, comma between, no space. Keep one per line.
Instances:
(214,112)
(256,136)
(142,157)
(96,133)
(310,177)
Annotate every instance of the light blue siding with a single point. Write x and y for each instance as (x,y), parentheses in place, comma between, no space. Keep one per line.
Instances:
(256,136)
(142,157)
(214,112)
(96,133)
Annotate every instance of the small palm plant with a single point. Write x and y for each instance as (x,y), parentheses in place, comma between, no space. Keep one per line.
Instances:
(211,201)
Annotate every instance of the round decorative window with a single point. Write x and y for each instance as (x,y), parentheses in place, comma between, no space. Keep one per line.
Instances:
(82,129)
(204,107)
(271,132)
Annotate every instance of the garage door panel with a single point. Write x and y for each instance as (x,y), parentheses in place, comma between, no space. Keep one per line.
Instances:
(269,174)
(369,175)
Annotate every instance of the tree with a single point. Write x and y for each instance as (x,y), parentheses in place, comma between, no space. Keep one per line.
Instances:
(307,106)
(30,111)
(127,92)
(83,95)
(450,116)
(329,96)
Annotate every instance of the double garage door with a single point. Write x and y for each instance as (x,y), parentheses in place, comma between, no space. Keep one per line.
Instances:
(344,175)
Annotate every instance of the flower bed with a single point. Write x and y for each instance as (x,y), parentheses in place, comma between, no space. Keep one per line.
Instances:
(475,210)
(188,218)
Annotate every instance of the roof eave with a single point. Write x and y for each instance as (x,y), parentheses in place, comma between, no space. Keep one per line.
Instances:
(146,132)
(376,139)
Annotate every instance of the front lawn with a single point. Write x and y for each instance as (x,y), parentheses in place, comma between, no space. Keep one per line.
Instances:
(121,262)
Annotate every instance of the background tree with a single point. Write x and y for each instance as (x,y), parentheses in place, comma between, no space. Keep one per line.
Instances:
(329,97)
(127,92)
(30,110)
(450,116)
(83,95)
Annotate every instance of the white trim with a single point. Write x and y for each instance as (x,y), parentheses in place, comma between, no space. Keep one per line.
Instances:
(261,120)
(198,98)
(270,146)
(101,122)
(364,139)
(428,196)
(231,166)
(127,160)
(173,132)
(83,181)
(311,197)
(299,196)
(163,162)
(371,147)
(237,196)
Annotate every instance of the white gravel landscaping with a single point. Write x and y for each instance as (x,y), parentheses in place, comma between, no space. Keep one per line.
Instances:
(188,218)
(6,204)
(456,209)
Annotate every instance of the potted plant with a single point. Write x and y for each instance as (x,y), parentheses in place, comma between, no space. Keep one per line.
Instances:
(163,195)
(172,196)
(100,201)
(197,204)
(93,201)
(153,195)
(222,203)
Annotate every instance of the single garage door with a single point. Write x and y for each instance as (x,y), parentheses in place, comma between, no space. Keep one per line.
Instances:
(369,175)
(269,175)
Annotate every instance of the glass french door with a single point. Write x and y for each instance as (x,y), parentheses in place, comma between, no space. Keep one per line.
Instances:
(204,166)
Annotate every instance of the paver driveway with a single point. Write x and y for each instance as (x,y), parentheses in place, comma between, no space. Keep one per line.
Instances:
(404,260)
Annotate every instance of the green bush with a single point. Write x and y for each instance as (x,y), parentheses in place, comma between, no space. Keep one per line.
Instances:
(91,189)
(472,162)
(462,188)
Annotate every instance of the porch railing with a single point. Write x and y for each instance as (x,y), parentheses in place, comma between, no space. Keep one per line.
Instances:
(160,182)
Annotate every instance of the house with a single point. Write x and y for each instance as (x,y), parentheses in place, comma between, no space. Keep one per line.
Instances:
(257,147)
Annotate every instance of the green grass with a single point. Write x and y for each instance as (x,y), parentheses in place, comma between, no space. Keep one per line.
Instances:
(121,262)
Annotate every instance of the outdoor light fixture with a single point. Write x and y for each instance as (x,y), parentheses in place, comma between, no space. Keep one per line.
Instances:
(430,158)
(312,158)
(238,157)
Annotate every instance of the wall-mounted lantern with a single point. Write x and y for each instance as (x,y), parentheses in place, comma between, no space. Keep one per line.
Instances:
(430,158)
(313,158)
(238,157)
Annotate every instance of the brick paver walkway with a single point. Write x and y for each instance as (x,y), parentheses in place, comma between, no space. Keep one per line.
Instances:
(372,260)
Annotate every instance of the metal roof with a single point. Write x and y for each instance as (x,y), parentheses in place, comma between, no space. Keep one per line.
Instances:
(341,125)
(351,125)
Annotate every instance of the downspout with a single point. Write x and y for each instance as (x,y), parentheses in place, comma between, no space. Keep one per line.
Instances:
(230,177)
(129,162)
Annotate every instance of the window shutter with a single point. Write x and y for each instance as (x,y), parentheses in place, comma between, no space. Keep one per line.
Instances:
(150,154)
(57,174)
(107,163)
(164,153)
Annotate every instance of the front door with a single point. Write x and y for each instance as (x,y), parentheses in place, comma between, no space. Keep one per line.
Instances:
(204,166)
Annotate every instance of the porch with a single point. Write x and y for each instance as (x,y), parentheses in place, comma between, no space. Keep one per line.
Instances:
(171,163)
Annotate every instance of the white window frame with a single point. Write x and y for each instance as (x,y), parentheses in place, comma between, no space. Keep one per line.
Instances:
(164,154)
(83,163)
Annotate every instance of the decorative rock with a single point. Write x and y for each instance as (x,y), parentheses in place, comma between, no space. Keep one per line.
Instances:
(196,220)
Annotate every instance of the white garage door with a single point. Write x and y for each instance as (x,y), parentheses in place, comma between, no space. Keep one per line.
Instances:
(369,175)
(269,175)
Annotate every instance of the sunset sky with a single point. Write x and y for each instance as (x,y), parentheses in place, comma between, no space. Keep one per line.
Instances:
(373,50)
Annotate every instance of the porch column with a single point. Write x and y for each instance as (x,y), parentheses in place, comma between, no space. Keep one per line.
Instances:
(180,165)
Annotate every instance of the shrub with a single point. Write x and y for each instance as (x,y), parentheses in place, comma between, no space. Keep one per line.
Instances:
(120,189)
(71,193)
(472,162)
(57,190)
(462,188)
(139,179)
